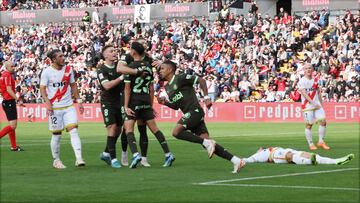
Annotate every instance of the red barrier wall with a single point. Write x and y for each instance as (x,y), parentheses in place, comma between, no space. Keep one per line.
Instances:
(220,112)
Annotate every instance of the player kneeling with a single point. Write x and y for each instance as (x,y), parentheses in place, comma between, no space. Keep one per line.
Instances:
(280,155)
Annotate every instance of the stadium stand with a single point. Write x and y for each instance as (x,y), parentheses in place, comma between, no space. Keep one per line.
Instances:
(244,58)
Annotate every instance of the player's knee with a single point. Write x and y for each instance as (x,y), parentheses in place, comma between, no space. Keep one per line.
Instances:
(204,135)
(323,122)
(175,133)
(72,128)
(308,126)
(13,125)
(113,130)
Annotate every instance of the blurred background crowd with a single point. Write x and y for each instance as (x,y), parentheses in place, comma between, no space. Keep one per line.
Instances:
(244,58)
(13,5)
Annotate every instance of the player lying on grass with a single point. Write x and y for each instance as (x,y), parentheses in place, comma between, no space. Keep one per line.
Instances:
(280,155)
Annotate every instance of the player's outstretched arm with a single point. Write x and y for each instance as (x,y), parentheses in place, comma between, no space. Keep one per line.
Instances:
(112,83)
(124,69)
(204,89)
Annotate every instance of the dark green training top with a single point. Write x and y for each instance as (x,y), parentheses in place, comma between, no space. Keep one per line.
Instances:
(107,73)
(181,92)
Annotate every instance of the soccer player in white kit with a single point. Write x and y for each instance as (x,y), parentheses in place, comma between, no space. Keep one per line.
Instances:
(57,84)
(311,104)
(279,155)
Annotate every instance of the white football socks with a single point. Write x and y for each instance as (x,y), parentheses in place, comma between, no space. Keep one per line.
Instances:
(322,131)
(75,143)
(55,146)
(235,160)
(298,159)
(324,160)
(308,135)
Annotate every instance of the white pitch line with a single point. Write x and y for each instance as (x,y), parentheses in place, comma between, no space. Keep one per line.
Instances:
(276,176)
(286,186)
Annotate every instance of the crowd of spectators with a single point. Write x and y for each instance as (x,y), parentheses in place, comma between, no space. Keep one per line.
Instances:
(254,58)
(12,5)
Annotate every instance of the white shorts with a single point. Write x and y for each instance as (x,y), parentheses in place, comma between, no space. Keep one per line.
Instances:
(314,116)
(279,155)
(261,156)
(63,118)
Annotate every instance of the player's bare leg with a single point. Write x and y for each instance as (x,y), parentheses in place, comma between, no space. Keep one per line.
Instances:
(322,131)
(169,157)
(76,144)
(223,153)
(308,135)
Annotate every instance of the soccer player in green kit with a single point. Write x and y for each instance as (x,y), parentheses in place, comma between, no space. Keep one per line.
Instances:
(112,86)
(143,140)
(191,127)
(138,95)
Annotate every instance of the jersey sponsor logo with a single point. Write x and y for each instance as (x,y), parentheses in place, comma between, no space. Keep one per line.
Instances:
(60,84)
(176,97)
(309,89)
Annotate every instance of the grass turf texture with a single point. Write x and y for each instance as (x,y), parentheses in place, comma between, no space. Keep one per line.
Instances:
(29,177)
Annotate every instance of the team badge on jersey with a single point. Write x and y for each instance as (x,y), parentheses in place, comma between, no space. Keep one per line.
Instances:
(175,87)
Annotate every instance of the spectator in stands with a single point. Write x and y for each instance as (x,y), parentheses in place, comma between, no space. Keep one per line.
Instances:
(229,49)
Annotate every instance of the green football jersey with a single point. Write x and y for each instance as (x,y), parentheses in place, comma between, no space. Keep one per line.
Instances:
(181,92)
(107,73)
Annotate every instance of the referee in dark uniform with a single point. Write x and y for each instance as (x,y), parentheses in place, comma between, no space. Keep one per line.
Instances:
(7,87)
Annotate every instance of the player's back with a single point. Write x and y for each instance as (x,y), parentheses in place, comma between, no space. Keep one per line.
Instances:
(140,86)
(57,83)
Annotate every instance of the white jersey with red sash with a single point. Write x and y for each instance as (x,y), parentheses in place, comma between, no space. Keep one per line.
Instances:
(57,84)
(311,88)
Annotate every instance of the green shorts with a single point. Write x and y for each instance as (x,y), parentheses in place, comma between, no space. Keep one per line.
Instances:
(112,114)
(193,120)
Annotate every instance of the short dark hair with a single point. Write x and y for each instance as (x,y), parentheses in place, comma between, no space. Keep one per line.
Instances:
(138,47)
(52,54)
(104,49)
(170,63)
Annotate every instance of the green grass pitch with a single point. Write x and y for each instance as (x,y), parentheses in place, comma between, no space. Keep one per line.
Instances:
(29,177)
